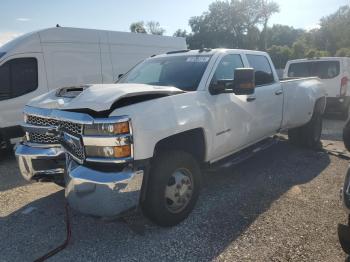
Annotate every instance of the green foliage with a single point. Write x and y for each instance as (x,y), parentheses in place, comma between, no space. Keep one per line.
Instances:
(138,27)
(180,33)
(283,35)
(343,52)
(151,27)
(231,24)
(154,28)
(280,55)
(243,24)
(312,53)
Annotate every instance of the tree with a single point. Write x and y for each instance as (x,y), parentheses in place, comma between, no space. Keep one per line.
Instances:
(230,24)
(268,9)
(299,49)
(138,27)
(180,33)
(343,52)
(151,27)
(280,55)
(154,28)
(282,35)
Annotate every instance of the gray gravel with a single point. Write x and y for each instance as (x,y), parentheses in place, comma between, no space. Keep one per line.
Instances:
(281,205)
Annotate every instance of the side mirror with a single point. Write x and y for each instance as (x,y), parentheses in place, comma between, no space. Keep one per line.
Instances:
(244,81)
(221,86)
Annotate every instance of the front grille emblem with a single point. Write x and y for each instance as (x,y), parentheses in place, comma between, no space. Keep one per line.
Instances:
(53,132)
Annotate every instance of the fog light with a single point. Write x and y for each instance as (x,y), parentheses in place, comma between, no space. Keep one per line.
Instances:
(122,151)
(108,151)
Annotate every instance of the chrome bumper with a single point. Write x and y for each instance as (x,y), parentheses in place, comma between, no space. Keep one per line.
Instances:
(102,193)
(87,190)
(34,162)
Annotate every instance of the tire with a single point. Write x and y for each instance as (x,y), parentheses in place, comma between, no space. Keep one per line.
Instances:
(346,136)
(173,188)
(308,135)
(345,113)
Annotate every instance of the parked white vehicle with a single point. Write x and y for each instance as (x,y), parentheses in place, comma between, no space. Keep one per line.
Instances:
(334,72)
(144,139)
(38,62)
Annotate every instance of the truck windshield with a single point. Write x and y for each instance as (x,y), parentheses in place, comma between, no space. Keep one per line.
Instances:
(321,69)
(183,72)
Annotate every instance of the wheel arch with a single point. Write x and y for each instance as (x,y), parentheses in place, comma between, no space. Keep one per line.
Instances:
(192,141)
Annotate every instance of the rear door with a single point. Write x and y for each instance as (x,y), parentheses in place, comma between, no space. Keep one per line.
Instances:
(266,104)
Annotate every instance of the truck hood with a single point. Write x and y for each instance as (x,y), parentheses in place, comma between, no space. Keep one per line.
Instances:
(100,97)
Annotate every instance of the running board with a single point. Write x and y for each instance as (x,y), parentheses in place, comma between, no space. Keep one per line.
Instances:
(243,154)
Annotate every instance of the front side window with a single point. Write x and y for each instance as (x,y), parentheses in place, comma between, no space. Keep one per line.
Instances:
(18,76)
(262,67)
(226,68)
(183,72)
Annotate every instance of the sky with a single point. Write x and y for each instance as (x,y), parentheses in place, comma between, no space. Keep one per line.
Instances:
(22,16)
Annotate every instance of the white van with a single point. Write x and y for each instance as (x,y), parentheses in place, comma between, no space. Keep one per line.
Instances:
(334,72)
(38,62)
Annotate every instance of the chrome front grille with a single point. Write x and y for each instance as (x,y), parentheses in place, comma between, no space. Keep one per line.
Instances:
(74,129)
(41,121)
(42,139)
(70,127)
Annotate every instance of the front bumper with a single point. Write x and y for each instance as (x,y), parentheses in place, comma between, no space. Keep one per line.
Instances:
(87,190)
(337,104)
(100,193)
(40,163)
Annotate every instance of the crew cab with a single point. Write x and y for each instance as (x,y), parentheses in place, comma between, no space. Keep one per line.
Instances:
(144,140)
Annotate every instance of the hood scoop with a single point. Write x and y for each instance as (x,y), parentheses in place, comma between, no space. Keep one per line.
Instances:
(71,92)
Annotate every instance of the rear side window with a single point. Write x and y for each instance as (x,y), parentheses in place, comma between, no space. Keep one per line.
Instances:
(321,69)
(18,77)
(263,70)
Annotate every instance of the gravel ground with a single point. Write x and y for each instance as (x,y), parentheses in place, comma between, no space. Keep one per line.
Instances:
(281,205)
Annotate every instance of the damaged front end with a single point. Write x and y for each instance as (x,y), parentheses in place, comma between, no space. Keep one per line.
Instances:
(93,157)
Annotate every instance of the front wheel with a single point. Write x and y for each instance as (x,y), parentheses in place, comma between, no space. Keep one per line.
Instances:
(173,188)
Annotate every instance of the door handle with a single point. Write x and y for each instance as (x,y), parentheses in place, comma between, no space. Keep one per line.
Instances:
(251,98)
(278,92)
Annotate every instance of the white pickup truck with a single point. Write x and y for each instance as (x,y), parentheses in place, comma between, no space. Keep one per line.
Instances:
(143,141)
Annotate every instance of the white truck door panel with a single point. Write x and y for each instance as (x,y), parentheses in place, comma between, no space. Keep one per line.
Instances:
(233,123)
(266,103)
(11,109)
(233,120)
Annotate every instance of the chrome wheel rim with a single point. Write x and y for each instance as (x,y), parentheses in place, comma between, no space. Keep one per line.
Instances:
(178,191)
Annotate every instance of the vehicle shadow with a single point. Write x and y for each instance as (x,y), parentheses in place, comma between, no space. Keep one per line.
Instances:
(231,200)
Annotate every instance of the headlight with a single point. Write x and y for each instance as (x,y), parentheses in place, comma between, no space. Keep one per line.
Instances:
(108,140)
(108,151)
(107,129)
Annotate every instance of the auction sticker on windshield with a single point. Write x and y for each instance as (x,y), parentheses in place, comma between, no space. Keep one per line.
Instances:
(198,59)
